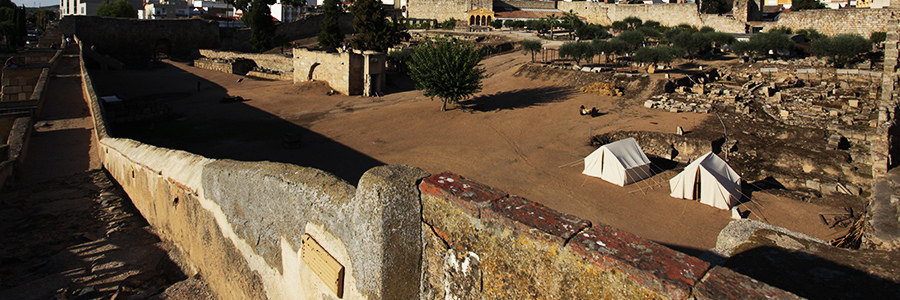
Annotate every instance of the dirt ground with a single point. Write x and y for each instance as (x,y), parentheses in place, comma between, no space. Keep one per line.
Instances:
(520,135)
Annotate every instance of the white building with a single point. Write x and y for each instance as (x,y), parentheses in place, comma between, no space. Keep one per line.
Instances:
(156,9)
(89,7)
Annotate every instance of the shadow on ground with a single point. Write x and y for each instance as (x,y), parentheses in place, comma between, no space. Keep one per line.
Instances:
(519,98)
(201,123)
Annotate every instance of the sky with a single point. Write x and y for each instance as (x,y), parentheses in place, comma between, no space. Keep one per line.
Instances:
(35,3)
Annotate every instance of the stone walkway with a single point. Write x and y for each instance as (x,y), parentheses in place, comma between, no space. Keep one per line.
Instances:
(68,231)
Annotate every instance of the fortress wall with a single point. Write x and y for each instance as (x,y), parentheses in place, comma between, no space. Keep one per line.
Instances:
(132,37)
(605,14)
(269,61)
(723,23)
(440,10)
(836,21)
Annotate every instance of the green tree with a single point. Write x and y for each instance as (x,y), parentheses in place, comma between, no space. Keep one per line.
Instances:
(692,42)
(118,9)
(570,21)
(262,27)
(576,50)
(799,5)
(633,22)
(531,46)
(761,44)
(373,30)
(610,47)
(591,31)
(656,55)
(497,24)
(651,24)
(811,34)
(447,69)
(449,24)
(43,18)
(841,49)
(331,36)
(877,37)
(633,38)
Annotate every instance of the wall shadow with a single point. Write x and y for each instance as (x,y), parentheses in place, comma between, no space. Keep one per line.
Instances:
(810,276)
(519,98)
(197,120)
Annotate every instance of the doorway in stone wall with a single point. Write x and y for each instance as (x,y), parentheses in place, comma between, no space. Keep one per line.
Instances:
(162,49)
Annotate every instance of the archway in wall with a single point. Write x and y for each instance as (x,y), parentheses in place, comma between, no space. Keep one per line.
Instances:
(311,70)
(471,20)
(480,16)
(162,49)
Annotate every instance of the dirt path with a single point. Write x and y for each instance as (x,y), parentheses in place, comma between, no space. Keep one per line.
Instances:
(523,136)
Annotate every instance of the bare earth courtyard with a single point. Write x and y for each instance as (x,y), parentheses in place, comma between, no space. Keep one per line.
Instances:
(529,143)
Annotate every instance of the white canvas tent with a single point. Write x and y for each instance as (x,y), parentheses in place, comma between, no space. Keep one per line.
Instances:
(710,180)
(621,162)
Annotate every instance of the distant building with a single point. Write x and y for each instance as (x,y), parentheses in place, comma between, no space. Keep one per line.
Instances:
(89,7)
(163,9)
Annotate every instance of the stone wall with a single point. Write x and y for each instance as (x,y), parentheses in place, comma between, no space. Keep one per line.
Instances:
(230,66)
(241,224)
(343,71)
(826,21)
(443,10)
(18,83)
(500,5)
(273,62)
(142,38)
(16,131)
(836,21)
(604,13)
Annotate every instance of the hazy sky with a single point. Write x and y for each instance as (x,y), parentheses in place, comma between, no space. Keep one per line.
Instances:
(33,3)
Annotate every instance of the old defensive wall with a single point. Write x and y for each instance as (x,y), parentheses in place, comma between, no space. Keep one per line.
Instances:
(257,230)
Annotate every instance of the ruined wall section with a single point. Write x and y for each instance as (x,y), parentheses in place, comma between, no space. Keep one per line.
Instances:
(723,23)
(343,71)
(443,10)
(836,21)
(273,62)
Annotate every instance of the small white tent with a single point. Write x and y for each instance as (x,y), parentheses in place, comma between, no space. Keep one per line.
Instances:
(621,162)
(710,180)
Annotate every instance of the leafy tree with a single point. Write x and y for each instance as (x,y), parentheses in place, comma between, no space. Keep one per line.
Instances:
(692,42)
(811,34)
(536,25)
(447,69)
(262,28)
(591,31)
(782,30)
(720,39)
(570,21)
(656,55)
(118,9)
(531,46)
(714,6)
(619,25)
(12,25)
(841,49)
(331,36)
(633,22)
(576,50)
(799,5)
(449,24)
(652,24)
(549,22)
(373,30)
(877,37)
(497,24)
(633,38)
(610,47)
(510,23)
(43,18)
(649,32)
(761,44)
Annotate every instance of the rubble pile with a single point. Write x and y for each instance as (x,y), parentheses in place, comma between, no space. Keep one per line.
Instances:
(602,89)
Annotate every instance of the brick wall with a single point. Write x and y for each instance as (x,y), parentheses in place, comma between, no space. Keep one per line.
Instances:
(18,83)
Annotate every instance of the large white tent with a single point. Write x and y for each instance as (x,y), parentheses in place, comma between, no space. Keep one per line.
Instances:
(710,180)
(621,162)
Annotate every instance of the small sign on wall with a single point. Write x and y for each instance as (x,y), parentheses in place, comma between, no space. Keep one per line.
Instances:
(323,264)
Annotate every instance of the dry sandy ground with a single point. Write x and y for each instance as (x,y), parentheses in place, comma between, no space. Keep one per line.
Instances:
(525,138)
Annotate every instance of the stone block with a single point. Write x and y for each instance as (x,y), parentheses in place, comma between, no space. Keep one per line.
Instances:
(534,218)
(12,89)
(664,270)
(649,104)
(853,103)
(814,185)
(467,195)
(722,283)
(784,114)
(23,96)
